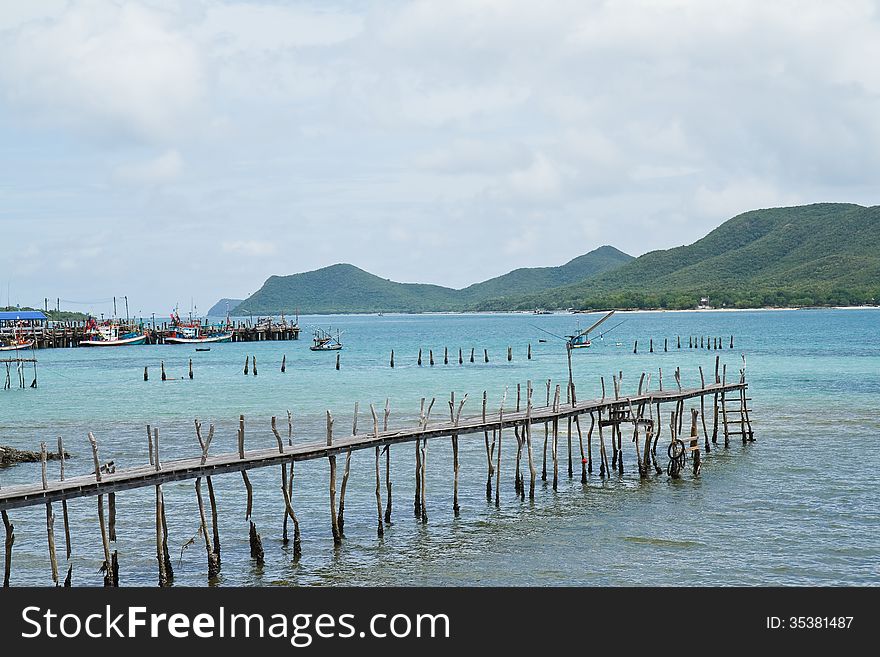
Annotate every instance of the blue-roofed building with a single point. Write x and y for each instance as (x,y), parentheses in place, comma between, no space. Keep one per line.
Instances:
(22,315)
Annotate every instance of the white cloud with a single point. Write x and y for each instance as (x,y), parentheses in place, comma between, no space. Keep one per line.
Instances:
(100,66)
(163,168)
(250,248)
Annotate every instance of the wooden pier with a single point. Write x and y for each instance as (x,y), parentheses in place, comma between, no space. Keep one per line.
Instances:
(56,335)
(641,411)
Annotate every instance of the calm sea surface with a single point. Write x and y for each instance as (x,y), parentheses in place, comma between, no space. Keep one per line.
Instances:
(797,507)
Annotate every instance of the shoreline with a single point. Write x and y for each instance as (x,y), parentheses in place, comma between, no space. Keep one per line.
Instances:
(567,312)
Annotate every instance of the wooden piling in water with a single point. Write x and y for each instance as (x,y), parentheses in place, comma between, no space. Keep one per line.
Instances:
(337,361)
(636,347)
(460,358)
(420,358)
(247,360)
(529,355)
(337,539)
(651,343)
(485,355)
(498,462)
(472,354)
(546,438)
(431,357)
(380,528)
(50,518)
(256,544)
(392,358)
(64,515)
(695,443)
(283,363)
(213,561)
(8,543)
(445,355)
(340,516)
(555,446)
(489,467)
(162,366)
(387,462)
(509,354)
(146,374)
(527,428)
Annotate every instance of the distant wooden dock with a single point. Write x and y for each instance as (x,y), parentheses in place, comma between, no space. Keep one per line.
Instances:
(57,335)
(641,411)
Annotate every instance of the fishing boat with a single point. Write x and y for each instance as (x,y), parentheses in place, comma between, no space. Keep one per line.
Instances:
(111,333)
(581,339)
(194,332)
(16,340)
(16,343)
(324,341)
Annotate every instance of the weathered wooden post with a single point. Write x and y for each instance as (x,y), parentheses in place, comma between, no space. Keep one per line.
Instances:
(509,354)
(213,561)
(489,467)
(10,541)
(107,567)
(485,355)
(529,355)
(244,474)
(286,489)
(527,428)
(472,354)
(380,528)
(387,462)
(340,516)
(695,442)
(50,518)
(283,363)
(703,409)
(392,358)
(445,355)
(420,358)
(431,357)
(546,437)
(337,361)
(498,462)
(146,374)
(64,515)
(636,347)
(455,417)
(337,539)
(190,368)
(651,349)
(460,358)
(162,366)
(247,360)
(256,545)
(556,439)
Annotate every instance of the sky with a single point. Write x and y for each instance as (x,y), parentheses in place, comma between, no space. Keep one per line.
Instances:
(180,151)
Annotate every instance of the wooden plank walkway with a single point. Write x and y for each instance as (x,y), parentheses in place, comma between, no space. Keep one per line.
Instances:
(191,468)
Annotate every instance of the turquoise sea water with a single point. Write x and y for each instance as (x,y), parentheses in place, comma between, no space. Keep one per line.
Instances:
(797,507)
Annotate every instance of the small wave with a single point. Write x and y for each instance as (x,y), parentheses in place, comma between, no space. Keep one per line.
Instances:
(661,541)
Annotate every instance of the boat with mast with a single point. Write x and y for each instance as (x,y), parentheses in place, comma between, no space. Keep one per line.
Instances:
(324,341)
(194,332)
(581,339)
(113,332)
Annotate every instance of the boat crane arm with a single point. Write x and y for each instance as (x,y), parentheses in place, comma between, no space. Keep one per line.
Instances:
(596,325)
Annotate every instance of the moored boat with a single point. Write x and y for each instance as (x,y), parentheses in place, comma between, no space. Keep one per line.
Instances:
(193,332)
(324,341)
(111,333)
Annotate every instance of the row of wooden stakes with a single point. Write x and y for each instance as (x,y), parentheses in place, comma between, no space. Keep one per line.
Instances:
(711,343)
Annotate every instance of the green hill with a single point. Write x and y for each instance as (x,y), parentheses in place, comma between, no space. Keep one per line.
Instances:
(343,288)
(537,279)
(220,308)
(822,254)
